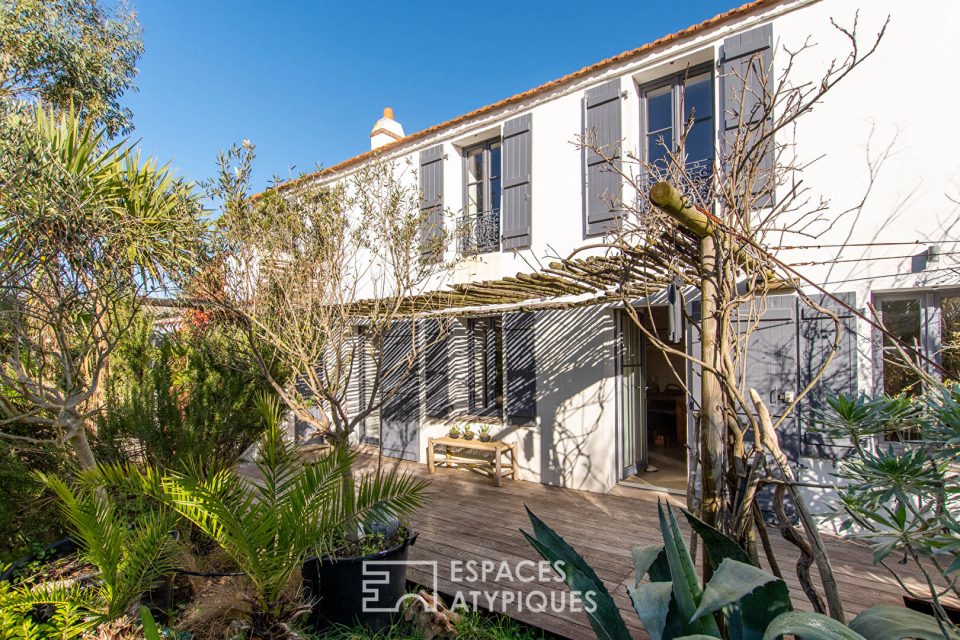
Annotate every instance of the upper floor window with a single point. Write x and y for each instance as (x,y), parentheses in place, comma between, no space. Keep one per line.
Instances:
(924,323)
(479,228)
(674,106)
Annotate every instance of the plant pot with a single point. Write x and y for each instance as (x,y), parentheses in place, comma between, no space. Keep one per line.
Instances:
(926,606)
(468,436)
(51,552)
(485,438)
(337,585)
(454,435)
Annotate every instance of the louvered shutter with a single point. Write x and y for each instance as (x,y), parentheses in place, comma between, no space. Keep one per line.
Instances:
(746,78)
(602,187)
(817,333)
(437,368)
(400,412)
(431,201)
(521,367)
(515,206)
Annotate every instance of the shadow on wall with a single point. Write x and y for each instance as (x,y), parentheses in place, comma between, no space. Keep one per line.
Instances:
(575,398)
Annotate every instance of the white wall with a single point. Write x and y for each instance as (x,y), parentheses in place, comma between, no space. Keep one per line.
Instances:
(884,137)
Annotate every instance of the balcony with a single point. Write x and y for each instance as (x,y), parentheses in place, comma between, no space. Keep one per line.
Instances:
(478,233)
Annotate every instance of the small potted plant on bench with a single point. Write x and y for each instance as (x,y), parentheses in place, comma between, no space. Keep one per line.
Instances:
(484,433)
(468,433)
(454,432)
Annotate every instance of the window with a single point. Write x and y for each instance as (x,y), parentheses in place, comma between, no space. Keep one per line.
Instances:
(671,106)
(479,228)
(924,323)
(485,375)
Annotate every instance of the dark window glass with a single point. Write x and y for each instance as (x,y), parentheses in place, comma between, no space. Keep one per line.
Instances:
(486,396)
(950,337)
(698,98)
(659,110)
(902,318)
(683,109)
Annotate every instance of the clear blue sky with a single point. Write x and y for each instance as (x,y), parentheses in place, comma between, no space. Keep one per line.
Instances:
(305,81)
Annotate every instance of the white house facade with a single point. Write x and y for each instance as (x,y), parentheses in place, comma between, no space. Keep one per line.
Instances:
(588,403)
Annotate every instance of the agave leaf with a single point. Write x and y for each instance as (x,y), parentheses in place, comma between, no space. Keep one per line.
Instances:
(605,618)
(886,622)
(809,626)
(757,609)
(696,636)
(643,558)
(651,601)
(683,574)
(150,631)
(731,582)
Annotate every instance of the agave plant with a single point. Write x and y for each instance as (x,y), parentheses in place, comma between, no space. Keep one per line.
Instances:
(268,524)
(740,602)
(130,557)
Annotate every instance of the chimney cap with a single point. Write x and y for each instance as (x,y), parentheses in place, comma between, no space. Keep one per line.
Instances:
(388,112)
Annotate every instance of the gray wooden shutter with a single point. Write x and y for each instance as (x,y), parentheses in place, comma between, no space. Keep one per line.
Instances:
(400,413)
(770,365)
(431,201)
(602,184)
(436,368)
(515,206)
(520,363)
(747,58)
(816,332)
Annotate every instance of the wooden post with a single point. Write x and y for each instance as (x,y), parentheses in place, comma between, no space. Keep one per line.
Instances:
(703,225)
(711,396)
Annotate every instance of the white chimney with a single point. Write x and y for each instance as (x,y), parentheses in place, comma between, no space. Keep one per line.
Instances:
(386,130)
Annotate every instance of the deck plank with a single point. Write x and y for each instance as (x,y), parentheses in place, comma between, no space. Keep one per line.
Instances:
(466,517)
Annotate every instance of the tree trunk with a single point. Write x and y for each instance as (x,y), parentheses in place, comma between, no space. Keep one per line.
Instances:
(81,445)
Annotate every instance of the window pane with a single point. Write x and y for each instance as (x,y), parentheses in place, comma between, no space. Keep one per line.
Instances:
(657,154)
(495,161)
(475,198)
(475,165)
(495,194)
(659,109)
(950,337)
(902,318)
(698,98)
(699,144)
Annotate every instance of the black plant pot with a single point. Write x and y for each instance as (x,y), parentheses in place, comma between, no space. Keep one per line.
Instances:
(926,606)
(51,552)
(336,584)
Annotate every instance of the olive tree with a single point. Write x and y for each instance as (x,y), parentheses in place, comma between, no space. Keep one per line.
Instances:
(320,277)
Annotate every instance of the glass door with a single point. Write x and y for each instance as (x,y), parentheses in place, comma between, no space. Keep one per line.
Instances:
(632,379)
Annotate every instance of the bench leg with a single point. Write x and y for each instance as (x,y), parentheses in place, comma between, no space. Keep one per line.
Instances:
(499,469)
(514,462)
(431,466)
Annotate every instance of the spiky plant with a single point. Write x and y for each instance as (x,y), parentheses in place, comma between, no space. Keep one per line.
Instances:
(130,557)
(268,523)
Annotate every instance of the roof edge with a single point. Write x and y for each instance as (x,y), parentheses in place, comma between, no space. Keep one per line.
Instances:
(717,20)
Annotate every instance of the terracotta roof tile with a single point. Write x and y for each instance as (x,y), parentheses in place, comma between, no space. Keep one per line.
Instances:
(727,16)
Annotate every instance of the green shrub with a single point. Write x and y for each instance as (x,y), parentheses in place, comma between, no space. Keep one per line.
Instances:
(179,398)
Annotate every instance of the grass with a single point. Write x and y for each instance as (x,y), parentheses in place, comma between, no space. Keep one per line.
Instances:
(473,626)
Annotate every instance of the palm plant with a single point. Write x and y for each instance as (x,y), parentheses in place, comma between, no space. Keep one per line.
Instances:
(269,524)
(130,557)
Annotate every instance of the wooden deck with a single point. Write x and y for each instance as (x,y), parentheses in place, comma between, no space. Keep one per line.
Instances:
(468,518)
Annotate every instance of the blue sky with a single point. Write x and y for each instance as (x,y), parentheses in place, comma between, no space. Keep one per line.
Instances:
(305,81)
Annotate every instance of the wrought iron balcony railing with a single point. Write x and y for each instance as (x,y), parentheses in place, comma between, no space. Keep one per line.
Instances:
(478,233)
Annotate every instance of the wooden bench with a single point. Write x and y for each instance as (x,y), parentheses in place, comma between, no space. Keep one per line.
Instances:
(454,457)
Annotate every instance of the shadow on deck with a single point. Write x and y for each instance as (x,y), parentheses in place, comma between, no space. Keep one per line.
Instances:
(467,518)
